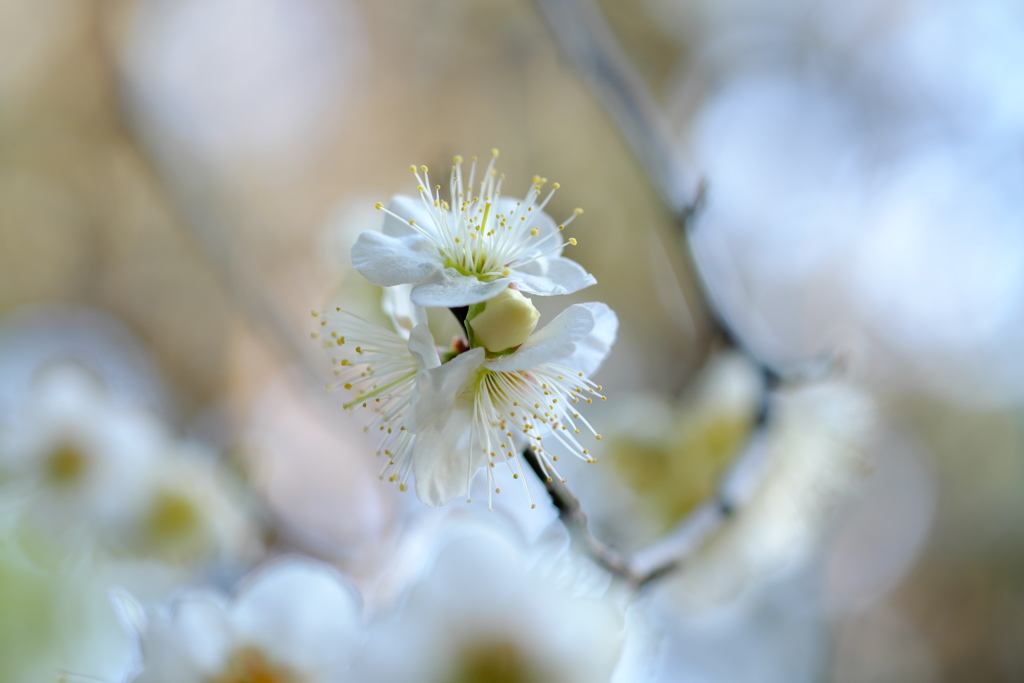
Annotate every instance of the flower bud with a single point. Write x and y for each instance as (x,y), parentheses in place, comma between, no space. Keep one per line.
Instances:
(504,322)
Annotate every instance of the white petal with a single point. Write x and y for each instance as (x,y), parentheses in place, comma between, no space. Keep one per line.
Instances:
(449,288)
(302,613)
(592,349)
(438,389)
(387,261)
(190,647)
(551,276)
(554,342)
(409,208)
(399,307)
(443,460)
(421,346)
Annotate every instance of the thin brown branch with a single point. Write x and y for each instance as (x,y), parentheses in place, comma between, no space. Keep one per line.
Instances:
(673,551)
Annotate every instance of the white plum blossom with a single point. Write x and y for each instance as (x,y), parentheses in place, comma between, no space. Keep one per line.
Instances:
(487,611)
(296,621)
(191,512)
(469,248)
(440,419)
(77,460)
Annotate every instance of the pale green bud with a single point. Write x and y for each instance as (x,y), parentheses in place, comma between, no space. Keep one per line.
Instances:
(504,322)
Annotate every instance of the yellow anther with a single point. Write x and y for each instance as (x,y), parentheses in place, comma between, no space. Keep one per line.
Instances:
(348,385)
(577,211)
(555,186)
(458,159)
(494,152)
(412,167)
(423,168)
(535,232)
(572,241)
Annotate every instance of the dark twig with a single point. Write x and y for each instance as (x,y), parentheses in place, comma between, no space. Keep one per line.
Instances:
(671,552)
(575,520)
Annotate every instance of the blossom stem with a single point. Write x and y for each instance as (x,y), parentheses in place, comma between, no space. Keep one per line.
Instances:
(670,553)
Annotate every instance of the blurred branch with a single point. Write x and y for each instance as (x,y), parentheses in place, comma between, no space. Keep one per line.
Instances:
(182,198)
(589,44)
(182,193)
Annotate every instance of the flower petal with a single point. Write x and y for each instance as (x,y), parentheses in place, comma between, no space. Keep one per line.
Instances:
(593,348)
(449,288)
(552,275)
(443,460)
(189,647)
(554,342)
(399,307)
(409,208)
(438,388)
(302,613)
(388,261)
(421,346)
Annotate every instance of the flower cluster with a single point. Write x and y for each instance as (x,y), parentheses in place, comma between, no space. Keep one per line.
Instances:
(444,413)
(92,473)
(482,609)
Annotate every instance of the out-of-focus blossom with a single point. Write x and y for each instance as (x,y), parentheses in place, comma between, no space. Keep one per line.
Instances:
(232,81)
(937,275)
(78,460)
(295,621)
(485,612)
(469,250)
(815,456)
(665,458)
(443,421)
(191,512)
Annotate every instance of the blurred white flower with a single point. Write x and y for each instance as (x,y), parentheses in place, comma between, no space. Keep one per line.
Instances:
(811,461)
(78,460)
(470,250)
(486,612)
(443,421)
(254,82)
(663,458)
(190,512)
(295,621)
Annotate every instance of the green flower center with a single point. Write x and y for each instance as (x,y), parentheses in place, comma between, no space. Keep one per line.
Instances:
(497,661)
(66,464)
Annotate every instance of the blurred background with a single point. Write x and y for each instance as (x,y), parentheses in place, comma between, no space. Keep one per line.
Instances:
(181,181)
